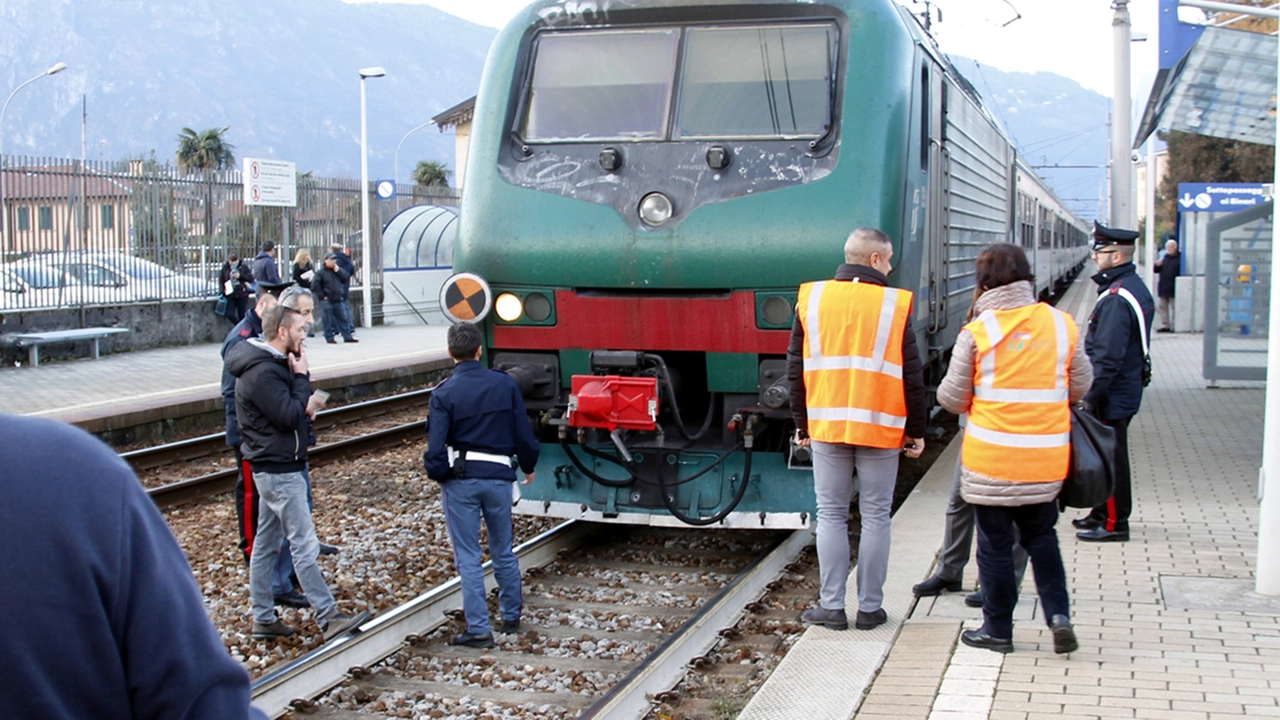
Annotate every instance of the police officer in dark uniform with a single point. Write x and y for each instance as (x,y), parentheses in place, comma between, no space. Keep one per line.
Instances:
(1116,343)
(477,422)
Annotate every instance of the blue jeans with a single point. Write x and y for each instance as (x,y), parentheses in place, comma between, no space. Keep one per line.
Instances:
(833,466)
(466,500)
(342,310)
(330,318)
(995,562)
(283,513)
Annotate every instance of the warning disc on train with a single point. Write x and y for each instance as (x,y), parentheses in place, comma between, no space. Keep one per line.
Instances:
(465,298)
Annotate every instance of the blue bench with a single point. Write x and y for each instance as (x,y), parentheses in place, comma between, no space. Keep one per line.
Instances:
(33,341)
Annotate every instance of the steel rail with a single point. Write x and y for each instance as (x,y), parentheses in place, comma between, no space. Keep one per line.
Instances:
(662,670)
(324,668)
(215,483)
(214,443)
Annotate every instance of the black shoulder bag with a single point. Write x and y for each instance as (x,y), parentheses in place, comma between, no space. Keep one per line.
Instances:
(1092,472)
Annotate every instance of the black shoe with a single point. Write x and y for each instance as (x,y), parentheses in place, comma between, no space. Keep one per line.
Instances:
(973,599)
(342,623)
(1088,522)
(1101,535)
(474,640)
(935,586)
(347,340)
(870,620)
(1064,637)
(271,631)
(832,619)
(980,639)
(1165,330)
(326,549)
(510,627)
(331,341)
(293,599)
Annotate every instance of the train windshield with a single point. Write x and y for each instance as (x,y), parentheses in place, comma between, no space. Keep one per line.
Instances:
(756,81)
(762,81)
(609,85)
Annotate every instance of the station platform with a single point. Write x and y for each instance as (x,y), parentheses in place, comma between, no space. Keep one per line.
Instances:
(1168,623)
(155,385)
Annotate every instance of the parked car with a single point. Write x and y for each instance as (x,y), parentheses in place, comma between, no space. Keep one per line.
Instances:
(44,285)
(144,279)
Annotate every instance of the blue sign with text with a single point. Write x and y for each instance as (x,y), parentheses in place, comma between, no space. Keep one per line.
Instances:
(1221,197)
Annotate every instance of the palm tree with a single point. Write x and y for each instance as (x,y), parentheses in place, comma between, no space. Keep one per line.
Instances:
(431,174)
(206,150)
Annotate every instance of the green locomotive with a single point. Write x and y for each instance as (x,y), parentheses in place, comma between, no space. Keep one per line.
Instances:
(649,182)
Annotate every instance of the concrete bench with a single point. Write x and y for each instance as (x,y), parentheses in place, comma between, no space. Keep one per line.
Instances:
(33,341)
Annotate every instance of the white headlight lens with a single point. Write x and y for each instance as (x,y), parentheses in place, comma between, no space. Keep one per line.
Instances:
(508,307)
(655,209)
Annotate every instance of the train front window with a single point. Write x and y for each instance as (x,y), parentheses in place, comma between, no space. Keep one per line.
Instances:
(757,81)
(605,85)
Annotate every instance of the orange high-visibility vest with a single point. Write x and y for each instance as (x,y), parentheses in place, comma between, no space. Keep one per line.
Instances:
(853,362)
(1020,419)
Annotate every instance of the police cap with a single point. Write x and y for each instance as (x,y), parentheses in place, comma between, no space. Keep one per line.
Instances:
(273,288)
(1104,236)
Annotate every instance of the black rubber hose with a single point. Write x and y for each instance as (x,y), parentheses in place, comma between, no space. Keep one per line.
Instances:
(564,443)
(733,504)
(675,406)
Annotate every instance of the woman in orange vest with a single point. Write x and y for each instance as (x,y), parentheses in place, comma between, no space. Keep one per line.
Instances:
(1015,369)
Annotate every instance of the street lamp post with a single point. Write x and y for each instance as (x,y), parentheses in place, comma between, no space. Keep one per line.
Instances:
(406,137)
(4,215)
(366,315)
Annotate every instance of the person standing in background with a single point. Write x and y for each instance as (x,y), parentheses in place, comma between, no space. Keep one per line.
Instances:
(1169,268)
(264,266)
(302,273)
(343,309)
(234,281)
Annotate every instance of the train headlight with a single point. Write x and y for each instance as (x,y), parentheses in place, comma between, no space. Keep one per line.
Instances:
(655,209)
(537,307)
(508,307)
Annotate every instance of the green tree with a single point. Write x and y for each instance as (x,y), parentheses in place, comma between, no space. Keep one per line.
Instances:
(206,150)
(431,174)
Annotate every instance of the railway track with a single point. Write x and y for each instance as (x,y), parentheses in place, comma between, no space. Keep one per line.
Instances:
(222,481)
(613,617)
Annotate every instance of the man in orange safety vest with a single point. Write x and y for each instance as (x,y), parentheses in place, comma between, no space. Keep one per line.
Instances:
(858,399)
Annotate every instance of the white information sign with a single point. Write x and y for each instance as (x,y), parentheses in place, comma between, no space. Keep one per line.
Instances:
(270,182)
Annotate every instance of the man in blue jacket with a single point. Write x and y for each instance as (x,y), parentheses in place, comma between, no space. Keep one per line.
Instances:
(1117,343)
(105,618)
(477,422)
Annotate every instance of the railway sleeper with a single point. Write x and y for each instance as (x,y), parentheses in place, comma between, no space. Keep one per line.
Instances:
(385,682)
(498,659)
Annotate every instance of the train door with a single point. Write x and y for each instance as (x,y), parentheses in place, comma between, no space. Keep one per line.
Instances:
(933,88)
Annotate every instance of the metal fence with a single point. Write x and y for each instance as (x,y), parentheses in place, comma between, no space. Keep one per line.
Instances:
(74,233)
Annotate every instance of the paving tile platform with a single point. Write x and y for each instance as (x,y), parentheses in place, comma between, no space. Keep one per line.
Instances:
(1168,623)
(82,391)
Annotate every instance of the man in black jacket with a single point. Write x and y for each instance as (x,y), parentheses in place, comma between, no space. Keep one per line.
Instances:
(329,287)
(1168,268)
(1117,344)
(274,403)
(235,276)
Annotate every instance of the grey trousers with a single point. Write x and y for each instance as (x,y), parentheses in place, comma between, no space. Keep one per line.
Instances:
(957,538)
(833,484)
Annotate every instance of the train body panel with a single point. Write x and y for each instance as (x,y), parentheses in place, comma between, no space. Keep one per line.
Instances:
(649,183)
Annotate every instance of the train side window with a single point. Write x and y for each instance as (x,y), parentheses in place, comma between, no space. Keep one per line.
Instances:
(925,119)
(601,85)
(757,81)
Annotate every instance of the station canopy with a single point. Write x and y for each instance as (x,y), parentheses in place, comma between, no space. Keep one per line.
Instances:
(1225,87)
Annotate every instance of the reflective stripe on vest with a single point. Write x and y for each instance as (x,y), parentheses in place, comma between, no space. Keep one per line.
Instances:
(853,361)
(1020,420)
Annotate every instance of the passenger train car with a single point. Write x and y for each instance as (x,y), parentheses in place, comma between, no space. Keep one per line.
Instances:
(649,182)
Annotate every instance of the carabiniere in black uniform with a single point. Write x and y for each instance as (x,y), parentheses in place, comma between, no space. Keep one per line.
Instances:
(1114,343)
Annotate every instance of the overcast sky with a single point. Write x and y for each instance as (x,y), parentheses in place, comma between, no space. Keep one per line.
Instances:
(1068,37)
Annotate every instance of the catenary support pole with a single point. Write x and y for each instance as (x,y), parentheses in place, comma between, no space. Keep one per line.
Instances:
(1122,138)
